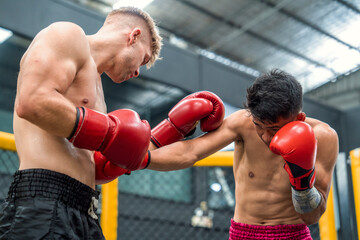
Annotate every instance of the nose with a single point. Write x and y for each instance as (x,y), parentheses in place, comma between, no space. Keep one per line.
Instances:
(267,136)
(137,72)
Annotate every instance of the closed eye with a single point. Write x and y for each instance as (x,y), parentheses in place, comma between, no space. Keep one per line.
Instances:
(257,125)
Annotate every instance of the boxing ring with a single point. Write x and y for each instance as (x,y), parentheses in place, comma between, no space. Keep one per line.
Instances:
(109,215)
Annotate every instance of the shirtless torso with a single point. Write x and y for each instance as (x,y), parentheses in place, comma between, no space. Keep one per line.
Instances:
(263,193)
(36,147)
(61,70)
(262,186)
(263,190)
(60,96)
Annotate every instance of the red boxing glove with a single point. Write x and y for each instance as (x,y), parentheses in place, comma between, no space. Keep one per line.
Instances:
(105,171)
(204,106)
(121,136)
(296,143)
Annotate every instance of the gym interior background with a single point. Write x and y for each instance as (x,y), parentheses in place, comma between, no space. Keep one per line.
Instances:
(220,46)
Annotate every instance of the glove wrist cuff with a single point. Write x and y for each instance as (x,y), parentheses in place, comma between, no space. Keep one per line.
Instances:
(302,182)
(80,112)
(90,129)
(145,163)
(165,133)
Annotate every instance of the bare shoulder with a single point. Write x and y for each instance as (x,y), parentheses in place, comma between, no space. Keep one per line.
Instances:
(65,26)
(238,118)
(61,40)
(60,51)
(69,36)
(322,129)
(238,122)
(65,31)
(327,142)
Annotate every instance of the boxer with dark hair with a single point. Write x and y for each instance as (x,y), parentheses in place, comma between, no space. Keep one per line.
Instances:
(283,161)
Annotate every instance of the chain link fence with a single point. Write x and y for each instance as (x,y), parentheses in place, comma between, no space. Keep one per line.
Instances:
(195,203)
(9,163)
(185,204)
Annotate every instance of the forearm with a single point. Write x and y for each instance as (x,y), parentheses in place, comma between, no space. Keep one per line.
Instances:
(172,157)
(54,114)
(184,154)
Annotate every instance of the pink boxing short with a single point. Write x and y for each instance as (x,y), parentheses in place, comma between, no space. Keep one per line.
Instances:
(242,231)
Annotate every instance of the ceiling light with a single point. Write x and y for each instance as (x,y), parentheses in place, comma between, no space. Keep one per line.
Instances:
(216,187)
(4,34)
(133,3)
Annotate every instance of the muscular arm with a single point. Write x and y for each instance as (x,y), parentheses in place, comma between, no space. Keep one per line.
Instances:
(47,70)
(328,148)
(184,154)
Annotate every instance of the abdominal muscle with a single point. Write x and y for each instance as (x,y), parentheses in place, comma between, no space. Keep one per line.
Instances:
(263,191)
(262,207)
(38,149)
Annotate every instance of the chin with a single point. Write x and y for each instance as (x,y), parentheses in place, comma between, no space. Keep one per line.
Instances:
(118,80)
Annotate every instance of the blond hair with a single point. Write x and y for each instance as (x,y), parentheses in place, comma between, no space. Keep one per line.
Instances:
(156,39)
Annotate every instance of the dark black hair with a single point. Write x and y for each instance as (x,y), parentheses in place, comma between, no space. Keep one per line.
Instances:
(274,95)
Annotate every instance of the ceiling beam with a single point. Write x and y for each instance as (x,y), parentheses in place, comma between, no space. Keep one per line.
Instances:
(349,5)
(251,33)
(249,25)
(309,24)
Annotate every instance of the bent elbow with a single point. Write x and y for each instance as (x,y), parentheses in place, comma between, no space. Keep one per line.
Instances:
(309,222)
(314,216)
(22,110)
(26,108)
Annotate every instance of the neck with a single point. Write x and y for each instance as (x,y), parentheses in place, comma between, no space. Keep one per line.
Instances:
(98,53)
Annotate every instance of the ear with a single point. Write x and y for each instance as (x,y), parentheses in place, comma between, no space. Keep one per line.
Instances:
(134,35)
(301,116)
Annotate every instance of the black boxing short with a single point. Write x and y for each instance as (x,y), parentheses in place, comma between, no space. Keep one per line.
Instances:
(43,204)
